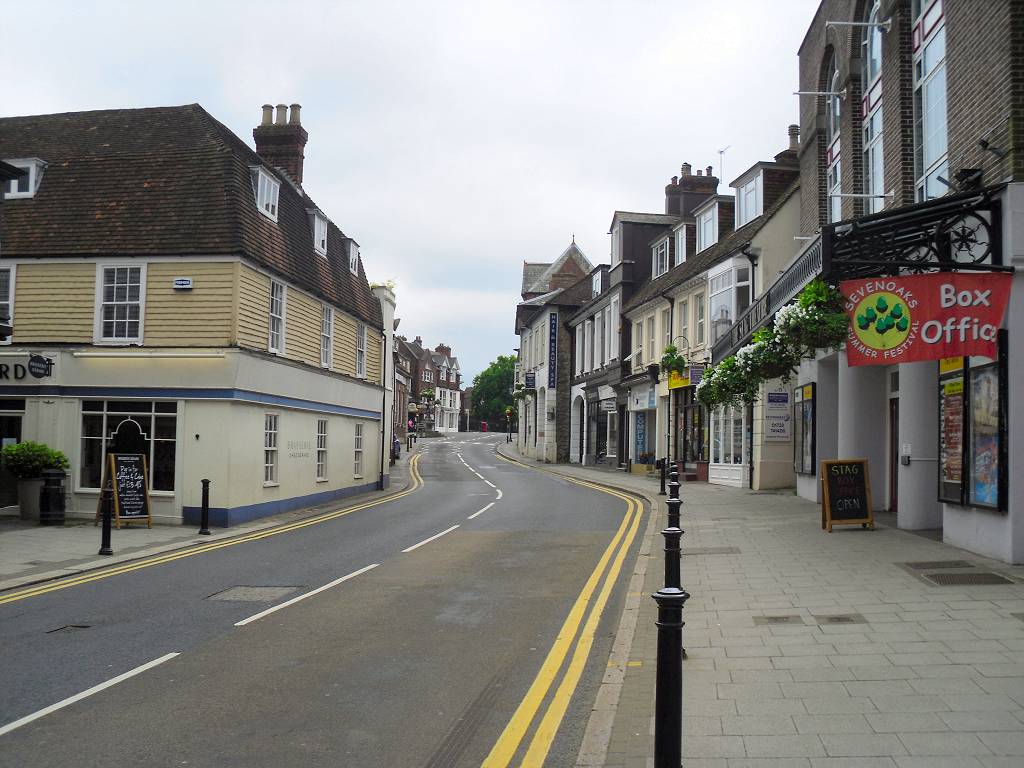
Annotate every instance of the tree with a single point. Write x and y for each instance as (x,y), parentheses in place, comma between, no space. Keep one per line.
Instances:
(492,390)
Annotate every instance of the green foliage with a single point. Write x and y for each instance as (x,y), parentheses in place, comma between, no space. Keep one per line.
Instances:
(28,460)
(672,360)
(492,389)
(817,319)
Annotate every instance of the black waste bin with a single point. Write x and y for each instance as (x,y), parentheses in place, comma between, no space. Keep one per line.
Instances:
(51,497)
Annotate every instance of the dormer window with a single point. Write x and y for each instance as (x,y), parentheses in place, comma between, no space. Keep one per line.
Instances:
(659,258)
(707,228)
(749,200)
(267,190)
(320,233)
(353,257)
(680,246)
(25,186)
(595,285)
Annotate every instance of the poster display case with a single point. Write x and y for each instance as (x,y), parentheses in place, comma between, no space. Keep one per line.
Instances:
(804,442)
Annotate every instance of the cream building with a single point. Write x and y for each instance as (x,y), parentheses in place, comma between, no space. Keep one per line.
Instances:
(197,307)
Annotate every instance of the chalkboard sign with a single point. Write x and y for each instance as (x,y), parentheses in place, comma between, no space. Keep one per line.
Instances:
(846,492)
(126,485)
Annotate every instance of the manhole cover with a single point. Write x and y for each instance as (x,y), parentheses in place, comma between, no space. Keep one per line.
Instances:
(761,621)
(68,628)
(253,594)
(966,579)
(934,565)
(841,618)
(712,551)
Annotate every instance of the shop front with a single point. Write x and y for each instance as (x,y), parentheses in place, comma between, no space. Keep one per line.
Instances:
(643,416)
(690,424)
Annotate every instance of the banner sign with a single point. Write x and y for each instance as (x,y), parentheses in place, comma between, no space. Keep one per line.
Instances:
(552,348)
(676,380)
(924,317)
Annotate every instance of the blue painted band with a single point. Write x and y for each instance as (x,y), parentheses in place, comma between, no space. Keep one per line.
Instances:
(195,393)
(225,517)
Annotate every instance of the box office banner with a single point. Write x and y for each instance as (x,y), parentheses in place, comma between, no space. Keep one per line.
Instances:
(924,317)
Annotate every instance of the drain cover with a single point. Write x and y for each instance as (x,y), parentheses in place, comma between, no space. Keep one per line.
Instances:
(712,551)
(761,621)
(253,594)
(966,579)
(841,618)
(935,565)
(68,628)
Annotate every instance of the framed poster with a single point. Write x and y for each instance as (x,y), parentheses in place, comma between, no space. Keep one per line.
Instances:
(984,448)
(804,448)
(951,437)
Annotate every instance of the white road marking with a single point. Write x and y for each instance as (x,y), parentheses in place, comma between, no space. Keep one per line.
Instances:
(312,592)
(427,541)
(84,694)
(499,494)
(488,482)
(475,514)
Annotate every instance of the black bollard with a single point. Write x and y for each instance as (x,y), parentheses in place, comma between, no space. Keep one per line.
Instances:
(668,706)
(662,464)
(106,503)
(204,529)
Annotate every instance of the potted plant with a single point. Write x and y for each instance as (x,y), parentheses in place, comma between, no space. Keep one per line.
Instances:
(26,461)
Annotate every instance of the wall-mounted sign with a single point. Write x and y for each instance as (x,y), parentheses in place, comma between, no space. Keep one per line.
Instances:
(531,380)
(678,380)
(778,420)
(924,317)
(608,405)
(552,349)
(183,283)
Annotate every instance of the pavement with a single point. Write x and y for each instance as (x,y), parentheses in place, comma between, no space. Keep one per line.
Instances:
(813,649)
(31,553)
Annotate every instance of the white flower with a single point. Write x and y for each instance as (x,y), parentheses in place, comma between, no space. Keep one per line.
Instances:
(790,316)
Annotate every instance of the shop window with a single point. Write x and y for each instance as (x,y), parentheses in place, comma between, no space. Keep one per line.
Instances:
(157,422)
(728,433)
(357,461)
(804,443)
(972,432)
(270,449)
(321,449)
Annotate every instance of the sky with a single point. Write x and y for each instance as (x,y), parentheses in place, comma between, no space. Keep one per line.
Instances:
(452,140)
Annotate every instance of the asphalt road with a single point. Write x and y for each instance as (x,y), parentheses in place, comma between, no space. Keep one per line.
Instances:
(454,640)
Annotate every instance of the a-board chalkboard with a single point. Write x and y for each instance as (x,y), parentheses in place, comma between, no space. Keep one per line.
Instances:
(126,484)
(846,494)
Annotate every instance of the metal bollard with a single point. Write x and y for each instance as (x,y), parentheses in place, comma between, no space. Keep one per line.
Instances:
(204,529)
(106,502)
(668,706)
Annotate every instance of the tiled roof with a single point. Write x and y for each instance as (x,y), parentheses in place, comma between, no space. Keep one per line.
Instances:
(165,181)
(532,272)
(709,257)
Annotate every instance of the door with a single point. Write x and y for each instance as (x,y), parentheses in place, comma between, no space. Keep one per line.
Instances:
(894,452)
(10,432)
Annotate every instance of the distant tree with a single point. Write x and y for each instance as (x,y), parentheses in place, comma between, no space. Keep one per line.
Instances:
(492,390)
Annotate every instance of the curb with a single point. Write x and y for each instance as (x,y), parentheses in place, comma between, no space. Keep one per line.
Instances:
(98,565)
(598,733)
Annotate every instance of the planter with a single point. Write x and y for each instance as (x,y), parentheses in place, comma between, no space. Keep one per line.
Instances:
(28,498)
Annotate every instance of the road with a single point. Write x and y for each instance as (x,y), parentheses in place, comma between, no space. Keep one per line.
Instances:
(465,622)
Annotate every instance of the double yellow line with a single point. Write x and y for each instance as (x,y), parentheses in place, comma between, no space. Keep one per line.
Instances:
(106,573)
(608,568)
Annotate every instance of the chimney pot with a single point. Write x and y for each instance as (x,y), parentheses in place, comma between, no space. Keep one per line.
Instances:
(281,143)
(699,173)
(268,114)
(685,169)
(282,114)
(293,119)
(794,137)
(708,171)
(675,179)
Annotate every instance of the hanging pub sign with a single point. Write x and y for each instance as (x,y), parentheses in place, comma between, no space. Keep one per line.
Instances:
(923,317)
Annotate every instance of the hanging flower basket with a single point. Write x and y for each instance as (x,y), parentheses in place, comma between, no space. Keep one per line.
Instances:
(815,321)
(769,357)
(728,383)
(672,361)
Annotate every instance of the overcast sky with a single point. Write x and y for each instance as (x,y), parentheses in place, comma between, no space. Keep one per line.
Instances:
(453,140)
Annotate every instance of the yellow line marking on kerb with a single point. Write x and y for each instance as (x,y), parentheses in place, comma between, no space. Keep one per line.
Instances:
(74,581)
(504,750)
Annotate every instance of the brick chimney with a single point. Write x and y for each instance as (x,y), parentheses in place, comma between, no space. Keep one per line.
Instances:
(673,197)
(418,340)
(444,349)
(694,189)
(281,141)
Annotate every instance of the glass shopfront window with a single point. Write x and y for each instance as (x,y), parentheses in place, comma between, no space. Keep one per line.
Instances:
(11,411)
(157,425)
(728,435)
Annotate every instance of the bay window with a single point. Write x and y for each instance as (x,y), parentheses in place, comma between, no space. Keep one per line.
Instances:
(729,296)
